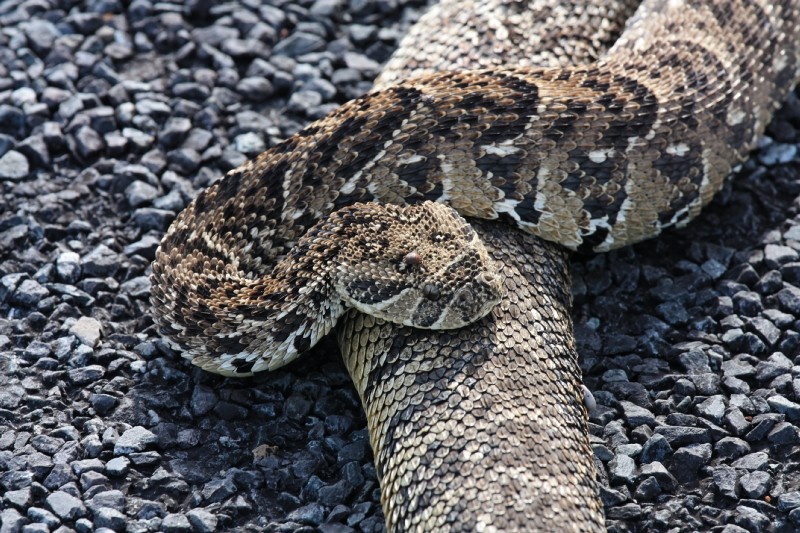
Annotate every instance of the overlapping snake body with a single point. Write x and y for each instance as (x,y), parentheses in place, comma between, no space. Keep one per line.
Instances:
(589,157)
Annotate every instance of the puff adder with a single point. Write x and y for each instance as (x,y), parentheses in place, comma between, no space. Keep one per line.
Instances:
(594,156)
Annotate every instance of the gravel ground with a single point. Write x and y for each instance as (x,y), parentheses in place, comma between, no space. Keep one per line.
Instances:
(114,114)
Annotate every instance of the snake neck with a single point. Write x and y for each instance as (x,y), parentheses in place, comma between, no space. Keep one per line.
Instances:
(452,429)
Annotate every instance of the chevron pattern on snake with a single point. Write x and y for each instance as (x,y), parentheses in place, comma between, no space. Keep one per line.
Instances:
(421,266)
(589,157)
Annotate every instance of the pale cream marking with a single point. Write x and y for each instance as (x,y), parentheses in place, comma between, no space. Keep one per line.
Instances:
(501,149)
(735,117)
(600,156)
(680,149)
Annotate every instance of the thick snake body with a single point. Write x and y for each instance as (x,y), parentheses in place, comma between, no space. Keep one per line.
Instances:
(595,157)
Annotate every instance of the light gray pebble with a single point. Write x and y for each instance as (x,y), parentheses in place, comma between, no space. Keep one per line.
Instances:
(68,267)
(87,465)
(136,439)
(299,43)
(36,528)
(139,193)
(304,101)
(113,499)
(635,415)
(777,153)
(110,518)
(202,521)
(362,63)
(712,408)
(249,143)
(14,166)
(65,506)
(20,498)
(622,469)
(87,330)
(176,523)
(783,405)
(117,467)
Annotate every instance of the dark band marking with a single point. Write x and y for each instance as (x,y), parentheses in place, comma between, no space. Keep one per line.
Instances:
(369,292)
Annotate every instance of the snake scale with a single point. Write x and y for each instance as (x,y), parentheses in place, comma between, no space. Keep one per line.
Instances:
(589,157)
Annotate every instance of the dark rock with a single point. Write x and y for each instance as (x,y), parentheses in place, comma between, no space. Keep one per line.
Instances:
(299,43)
(784,434)
(255,88)
(755,485)
(726,480)
(752,462)
(635,415)
(86,374)
(750,519)
(686,461)
(681,435)
(629,511)
(731,448)
(788,501)
(311,514)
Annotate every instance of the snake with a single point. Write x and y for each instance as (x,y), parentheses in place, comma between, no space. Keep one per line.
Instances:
(579,157)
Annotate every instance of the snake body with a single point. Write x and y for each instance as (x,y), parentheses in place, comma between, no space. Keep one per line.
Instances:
(594,156)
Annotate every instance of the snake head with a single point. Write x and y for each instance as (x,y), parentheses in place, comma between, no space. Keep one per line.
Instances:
(421,265)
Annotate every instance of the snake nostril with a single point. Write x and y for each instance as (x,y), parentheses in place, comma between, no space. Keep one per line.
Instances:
(431,292)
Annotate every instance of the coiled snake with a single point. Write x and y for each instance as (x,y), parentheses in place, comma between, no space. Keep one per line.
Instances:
(472,429)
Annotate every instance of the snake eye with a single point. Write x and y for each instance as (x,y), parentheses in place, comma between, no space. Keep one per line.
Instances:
(412,259)
(431,292)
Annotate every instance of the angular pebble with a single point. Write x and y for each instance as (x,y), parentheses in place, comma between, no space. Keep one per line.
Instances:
(65,506)
(136,439)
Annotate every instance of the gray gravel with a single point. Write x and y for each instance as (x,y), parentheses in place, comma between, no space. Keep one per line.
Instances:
(113,115)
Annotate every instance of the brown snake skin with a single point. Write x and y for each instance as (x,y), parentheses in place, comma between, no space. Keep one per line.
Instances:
(590,157)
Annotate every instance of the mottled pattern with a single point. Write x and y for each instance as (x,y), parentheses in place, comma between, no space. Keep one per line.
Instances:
(591,157)
(482,428)
(421,266)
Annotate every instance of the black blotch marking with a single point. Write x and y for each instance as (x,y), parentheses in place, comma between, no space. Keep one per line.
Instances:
(676,168)
(592,240)
(526,96)
(243,366)
(302,343)
(368,292)
(500,165)
(526,209)
(418,175)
